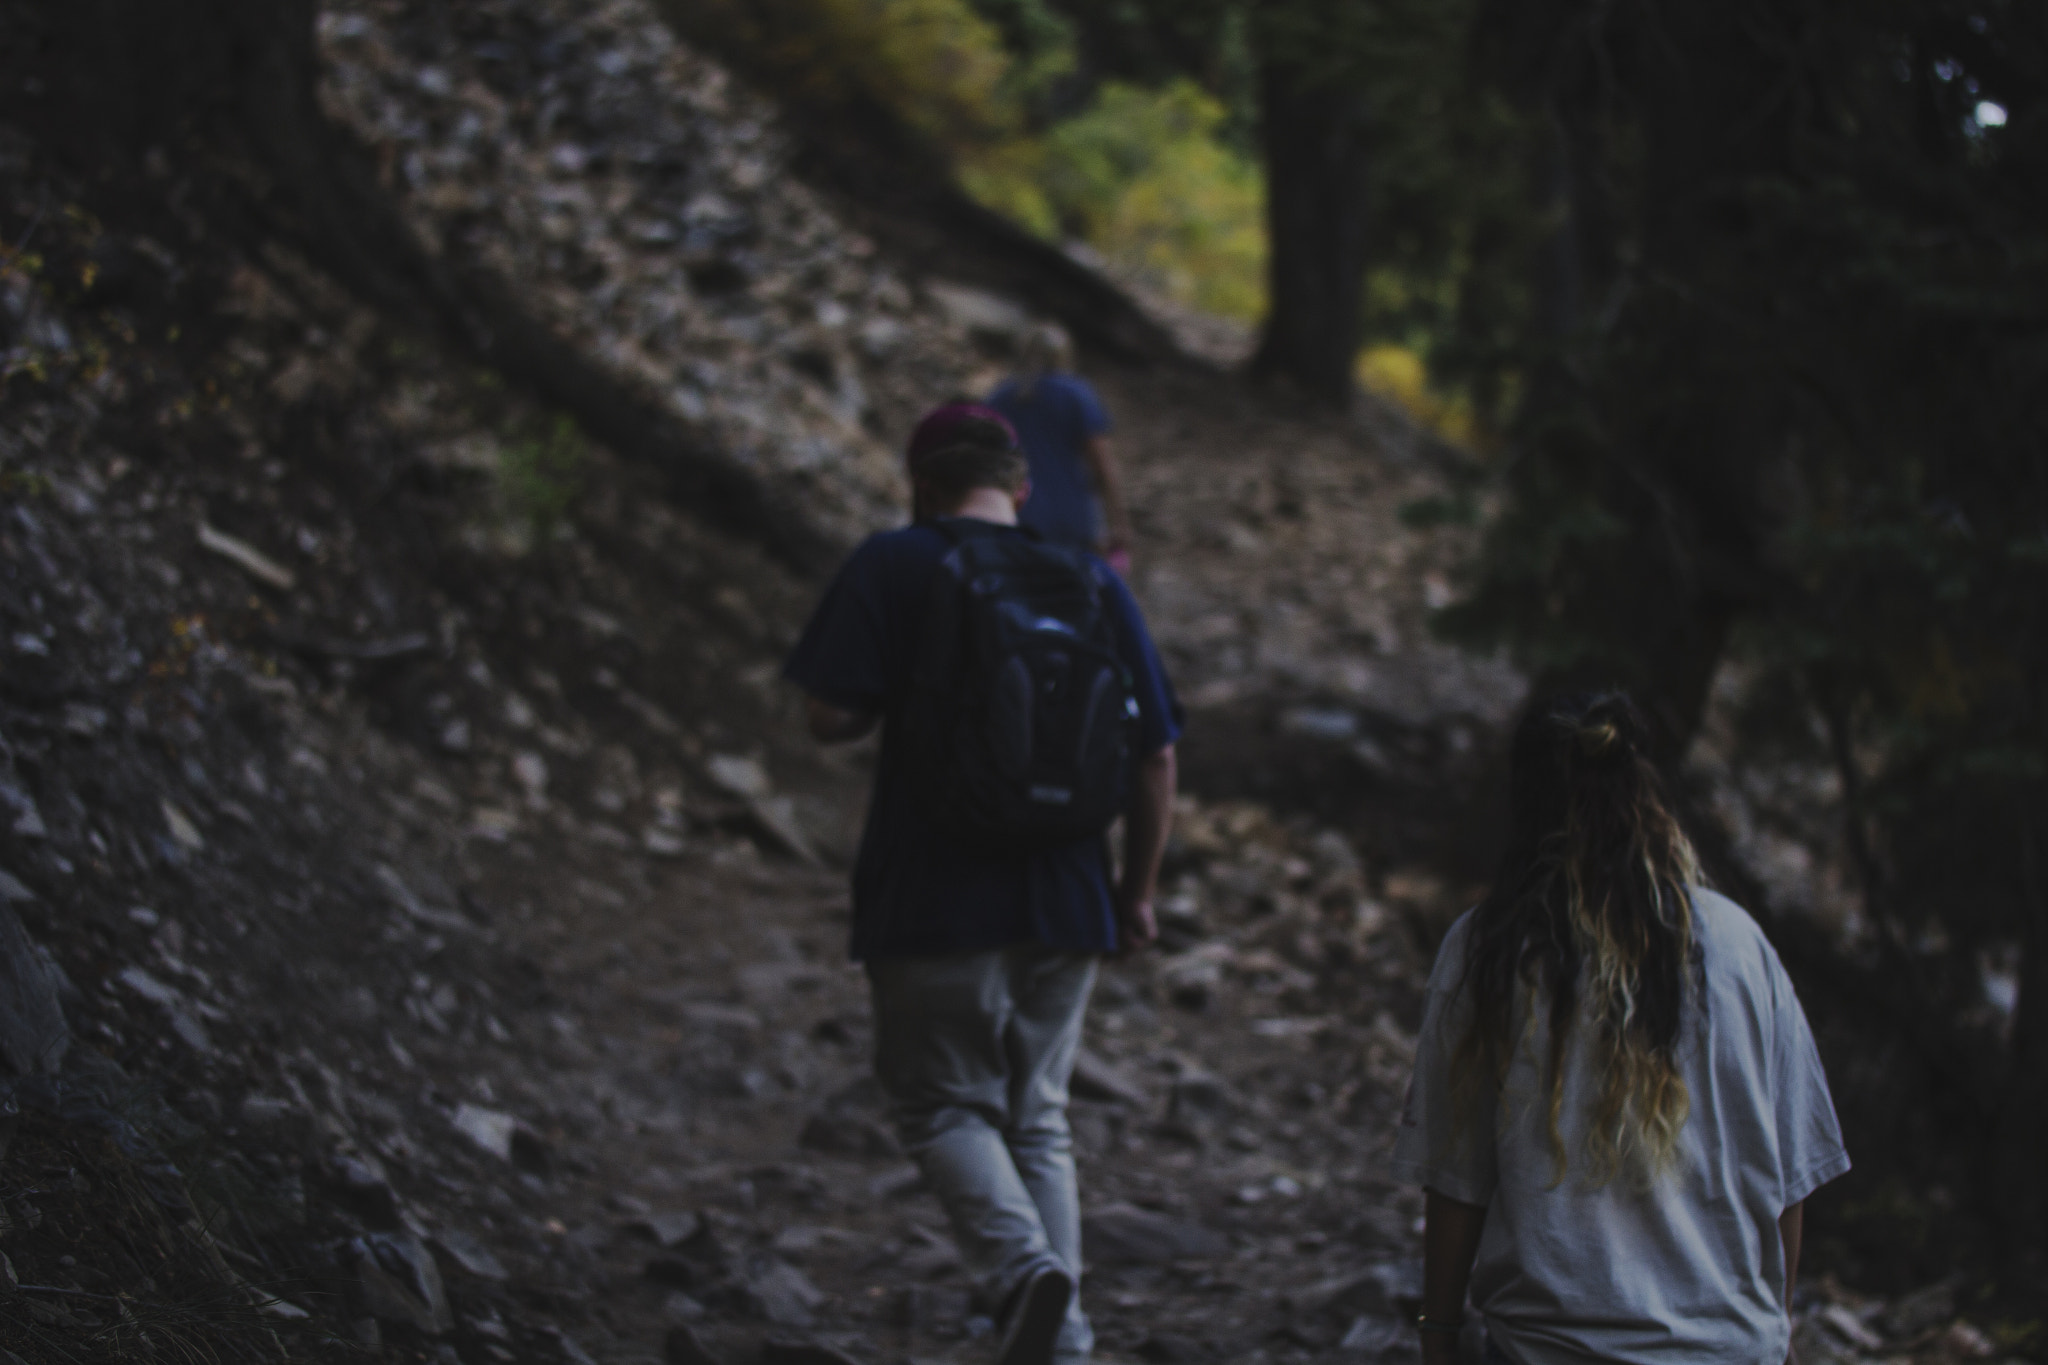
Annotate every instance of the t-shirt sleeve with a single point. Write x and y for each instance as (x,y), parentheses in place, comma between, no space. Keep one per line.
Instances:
(841,656)
(1435,1145)
(1093,417)
(1810,1150)
(1160,718)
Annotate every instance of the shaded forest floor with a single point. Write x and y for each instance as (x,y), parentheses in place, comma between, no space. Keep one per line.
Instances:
(440,881)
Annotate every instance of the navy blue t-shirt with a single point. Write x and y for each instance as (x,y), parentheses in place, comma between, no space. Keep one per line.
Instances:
(915,893)
(1054,422)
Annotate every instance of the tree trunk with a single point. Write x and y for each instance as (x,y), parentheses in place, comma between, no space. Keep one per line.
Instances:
(2018,1183)
(236,82)
(1316,188)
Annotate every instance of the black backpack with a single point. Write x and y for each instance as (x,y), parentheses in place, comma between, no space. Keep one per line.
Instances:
(1019,717)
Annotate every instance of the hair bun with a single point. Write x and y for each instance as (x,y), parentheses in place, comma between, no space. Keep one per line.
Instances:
(1599,738)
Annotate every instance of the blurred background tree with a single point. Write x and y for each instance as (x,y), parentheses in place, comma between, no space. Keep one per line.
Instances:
(1783,374)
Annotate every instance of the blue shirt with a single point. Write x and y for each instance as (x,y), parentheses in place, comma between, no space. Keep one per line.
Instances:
(915,893)
(1054,424)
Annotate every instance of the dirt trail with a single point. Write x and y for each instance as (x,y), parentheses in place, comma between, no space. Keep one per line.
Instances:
(707,1054)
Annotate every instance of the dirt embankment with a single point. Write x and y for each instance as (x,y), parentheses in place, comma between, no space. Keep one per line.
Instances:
(447,919)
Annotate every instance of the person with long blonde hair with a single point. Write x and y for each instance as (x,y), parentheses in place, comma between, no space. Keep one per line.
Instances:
(1077,482)
(1618,1110)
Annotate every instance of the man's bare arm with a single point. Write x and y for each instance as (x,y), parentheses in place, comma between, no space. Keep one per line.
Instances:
(1146,822)
(834,725)
(1109,477)
(1450,1239)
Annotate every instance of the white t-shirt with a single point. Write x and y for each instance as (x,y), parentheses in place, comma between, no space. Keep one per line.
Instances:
(1691,1268)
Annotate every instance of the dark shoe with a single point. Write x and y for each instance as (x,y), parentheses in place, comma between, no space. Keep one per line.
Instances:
(1035,1321)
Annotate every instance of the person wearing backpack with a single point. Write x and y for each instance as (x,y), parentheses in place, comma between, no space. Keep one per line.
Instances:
(1023,708)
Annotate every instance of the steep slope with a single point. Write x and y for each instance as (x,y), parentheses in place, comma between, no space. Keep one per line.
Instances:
(644,203)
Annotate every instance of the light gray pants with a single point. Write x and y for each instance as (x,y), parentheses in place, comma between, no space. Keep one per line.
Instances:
(974,1050)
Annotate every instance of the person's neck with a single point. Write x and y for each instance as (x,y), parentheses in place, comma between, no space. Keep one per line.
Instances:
(987,504)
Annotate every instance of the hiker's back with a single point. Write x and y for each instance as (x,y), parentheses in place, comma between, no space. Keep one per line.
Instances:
(1644,1266)
(918,888)
(1019,712)
(1055,415)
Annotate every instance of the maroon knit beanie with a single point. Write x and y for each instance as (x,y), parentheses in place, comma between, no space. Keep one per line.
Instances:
(940,424)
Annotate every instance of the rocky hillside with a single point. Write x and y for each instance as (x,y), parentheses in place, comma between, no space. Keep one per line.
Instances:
(424,926)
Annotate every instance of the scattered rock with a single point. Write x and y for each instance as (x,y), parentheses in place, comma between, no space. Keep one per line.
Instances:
(663,843)
(489,1129)
(399,1282)
(775,817)
(532,771)
(1375,1337)
(471,1255)
(571,1349)
(176,1008)
(666,1230)
(738,775)
(1096,1079)
(1962,1340)
(182,829)
(848,1134)
(978,312)
(1386,1290)
(896,1184)
(1123,1234)
(362,1189)
(780,1293)
(503,1136)
(33,1035)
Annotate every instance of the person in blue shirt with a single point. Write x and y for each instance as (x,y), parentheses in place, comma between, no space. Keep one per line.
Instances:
(1077,488)
(981,963)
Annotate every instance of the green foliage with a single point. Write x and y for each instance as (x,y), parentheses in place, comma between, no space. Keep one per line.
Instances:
(1144,177)
(541,474)
(1042,76)
(1427,514)
(1148,175)
(937,65)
